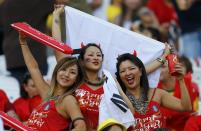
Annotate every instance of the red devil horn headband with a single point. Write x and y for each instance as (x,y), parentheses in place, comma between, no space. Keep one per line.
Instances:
(82,45)
(135,53)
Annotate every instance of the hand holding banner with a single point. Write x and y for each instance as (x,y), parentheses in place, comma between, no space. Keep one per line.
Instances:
(14,123)
(41,37)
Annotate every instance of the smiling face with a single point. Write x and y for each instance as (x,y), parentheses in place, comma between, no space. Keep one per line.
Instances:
(129,74)
(93,59)
(66,77)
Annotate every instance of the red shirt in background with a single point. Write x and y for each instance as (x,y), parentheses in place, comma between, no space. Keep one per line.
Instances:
(21,106)
(89,101)
(176,120)
(5,104)
(165,13)
(24,106)
(34,102)
(193,124)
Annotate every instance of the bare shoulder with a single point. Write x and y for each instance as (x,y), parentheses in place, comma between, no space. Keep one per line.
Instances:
(161,91)
(157,95)
(70,99)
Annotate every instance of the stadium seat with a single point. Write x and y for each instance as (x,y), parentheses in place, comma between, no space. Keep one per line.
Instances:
(10,86)
(3,70)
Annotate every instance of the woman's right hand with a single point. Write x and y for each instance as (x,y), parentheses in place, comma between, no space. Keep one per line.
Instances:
(58,9)
(167,50)
(22,38)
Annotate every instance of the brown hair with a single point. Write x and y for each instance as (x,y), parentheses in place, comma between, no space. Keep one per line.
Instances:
(63,64)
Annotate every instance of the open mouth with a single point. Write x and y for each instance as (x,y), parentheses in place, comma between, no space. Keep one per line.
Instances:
(130,80)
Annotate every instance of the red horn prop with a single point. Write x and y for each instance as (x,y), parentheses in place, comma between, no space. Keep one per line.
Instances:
(82,45)
(135,53)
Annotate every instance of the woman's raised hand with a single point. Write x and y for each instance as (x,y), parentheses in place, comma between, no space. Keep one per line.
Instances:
(180,69)
(22,38)
(58,9)
(167,50)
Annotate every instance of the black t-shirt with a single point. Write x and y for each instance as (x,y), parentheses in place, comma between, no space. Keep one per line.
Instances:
(190,20)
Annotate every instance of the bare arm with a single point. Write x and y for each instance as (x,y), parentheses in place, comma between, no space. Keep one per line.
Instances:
(73,110)
(12,113)
(33,68)
(152,66)
(169,101)
(56,30)
(125,98)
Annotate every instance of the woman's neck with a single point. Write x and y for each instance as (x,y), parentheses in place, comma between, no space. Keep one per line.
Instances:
(92,76)
(136,92)
(59,91)
(168,84)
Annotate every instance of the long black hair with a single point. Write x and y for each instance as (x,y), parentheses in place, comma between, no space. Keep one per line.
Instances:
(23,92)
(144,84)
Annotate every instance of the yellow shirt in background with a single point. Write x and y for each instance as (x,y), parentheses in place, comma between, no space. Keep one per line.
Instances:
(112,12)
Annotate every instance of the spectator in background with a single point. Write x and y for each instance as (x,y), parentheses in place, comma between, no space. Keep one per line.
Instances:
(29,98)
(193,124)
(129,13)
(94,4)
(99,8)
(176,120)
(165,14)
(168,20)
(114,10)
(147,24)
(164,11)
(190,22)
(5,105)
(194,86)
(35,13)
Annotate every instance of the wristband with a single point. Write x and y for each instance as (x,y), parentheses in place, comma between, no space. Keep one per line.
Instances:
(161,60)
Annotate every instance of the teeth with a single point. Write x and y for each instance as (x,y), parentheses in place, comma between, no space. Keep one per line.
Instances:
(130,78)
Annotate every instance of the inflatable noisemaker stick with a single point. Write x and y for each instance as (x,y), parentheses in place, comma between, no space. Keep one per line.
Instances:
(41,37)
(13,123)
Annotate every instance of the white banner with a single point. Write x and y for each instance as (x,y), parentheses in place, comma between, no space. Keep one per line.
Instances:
(114,40)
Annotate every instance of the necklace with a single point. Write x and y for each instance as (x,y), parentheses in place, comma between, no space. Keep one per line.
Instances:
(140,104)
(101,81)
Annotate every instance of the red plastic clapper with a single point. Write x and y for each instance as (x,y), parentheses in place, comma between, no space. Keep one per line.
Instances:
(41,37)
